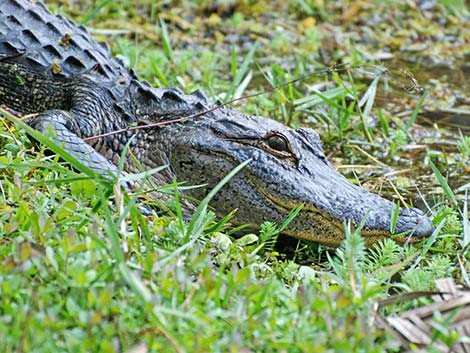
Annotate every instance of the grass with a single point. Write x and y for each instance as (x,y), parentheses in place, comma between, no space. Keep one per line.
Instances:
(83,274)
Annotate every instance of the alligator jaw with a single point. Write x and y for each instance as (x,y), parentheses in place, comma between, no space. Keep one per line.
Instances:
(316,225)
(275,182)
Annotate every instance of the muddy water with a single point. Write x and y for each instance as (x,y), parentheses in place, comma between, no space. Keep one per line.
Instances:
(443,119)
(456,83)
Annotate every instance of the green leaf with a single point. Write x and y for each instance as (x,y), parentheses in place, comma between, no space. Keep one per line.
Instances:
(85,187)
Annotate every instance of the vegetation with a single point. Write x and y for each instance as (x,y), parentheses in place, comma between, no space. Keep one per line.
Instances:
(80,273)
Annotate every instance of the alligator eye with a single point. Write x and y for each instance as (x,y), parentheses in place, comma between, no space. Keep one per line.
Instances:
(278,143)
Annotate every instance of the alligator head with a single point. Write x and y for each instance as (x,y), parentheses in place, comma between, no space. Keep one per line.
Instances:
(288,168)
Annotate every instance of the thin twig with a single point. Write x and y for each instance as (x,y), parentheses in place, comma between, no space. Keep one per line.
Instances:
(334,68)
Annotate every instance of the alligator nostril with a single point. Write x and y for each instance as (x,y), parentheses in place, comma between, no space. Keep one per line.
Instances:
(424,226)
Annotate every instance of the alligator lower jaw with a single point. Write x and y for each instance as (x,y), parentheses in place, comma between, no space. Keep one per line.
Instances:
(332,233)
(315,225)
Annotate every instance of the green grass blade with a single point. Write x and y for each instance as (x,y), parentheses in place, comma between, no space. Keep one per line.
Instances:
(166,42)
(135,283)
(143,175)
(466,224)
(233,63)
(290,217)
(319,97)
(179,211)
(201,209)
(161,79)
(241,73)
(414,115)
(113,234)
(36,135)
(369,98)
(394,219)
(94,11)
(443,182)
(428,244)
(243,85)
(306,7)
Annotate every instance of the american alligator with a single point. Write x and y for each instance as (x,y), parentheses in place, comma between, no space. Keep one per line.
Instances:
(52,67)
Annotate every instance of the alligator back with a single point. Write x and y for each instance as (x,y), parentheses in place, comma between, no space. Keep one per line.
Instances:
(52,46)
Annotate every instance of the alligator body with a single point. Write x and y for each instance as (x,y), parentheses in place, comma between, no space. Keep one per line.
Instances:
(52,67)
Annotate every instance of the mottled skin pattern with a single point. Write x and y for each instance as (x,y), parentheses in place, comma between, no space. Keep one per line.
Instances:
(52,67)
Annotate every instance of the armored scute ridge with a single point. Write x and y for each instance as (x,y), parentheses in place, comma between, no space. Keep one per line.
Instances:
(52,67)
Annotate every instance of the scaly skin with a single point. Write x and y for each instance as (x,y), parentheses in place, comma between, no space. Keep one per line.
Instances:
(51,67)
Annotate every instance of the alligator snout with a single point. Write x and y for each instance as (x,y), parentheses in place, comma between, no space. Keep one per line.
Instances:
(377,213)
(414,222)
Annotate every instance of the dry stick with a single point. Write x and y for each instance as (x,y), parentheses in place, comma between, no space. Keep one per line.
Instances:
(334,68)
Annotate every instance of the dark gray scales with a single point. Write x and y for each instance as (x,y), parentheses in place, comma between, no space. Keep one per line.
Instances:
(49,63)
(41,39)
